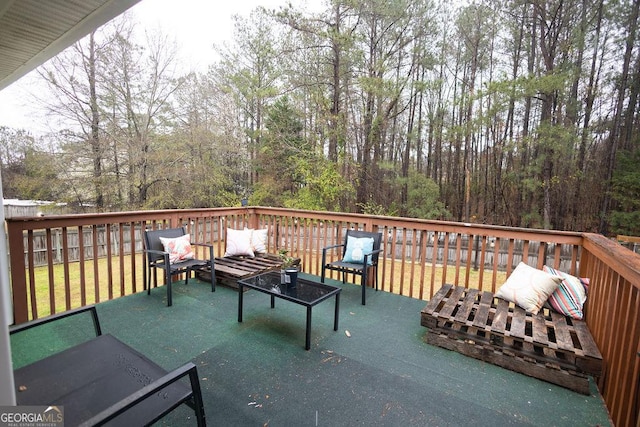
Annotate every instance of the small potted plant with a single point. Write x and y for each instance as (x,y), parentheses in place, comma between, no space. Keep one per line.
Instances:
(288,271)
(287,260)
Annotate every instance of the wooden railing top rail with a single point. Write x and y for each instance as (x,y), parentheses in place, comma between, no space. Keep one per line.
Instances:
(32,223)
(52,221)
(626,262)
(564,237)
(628,239)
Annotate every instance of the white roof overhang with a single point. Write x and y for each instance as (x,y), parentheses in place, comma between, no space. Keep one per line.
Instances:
(33,31)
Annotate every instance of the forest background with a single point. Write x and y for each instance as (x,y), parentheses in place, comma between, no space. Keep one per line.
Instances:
(519,113)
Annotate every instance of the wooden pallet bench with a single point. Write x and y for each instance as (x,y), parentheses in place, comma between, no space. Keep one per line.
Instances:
(232,268)
(548,346)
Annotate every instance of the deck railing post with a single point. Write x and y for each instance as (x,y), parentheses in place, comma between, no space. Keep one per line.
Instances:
(18,273)
(252,218)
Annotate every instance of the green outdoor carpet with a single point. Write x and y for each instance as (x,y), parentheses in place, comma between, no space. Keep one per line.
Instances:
(375,370)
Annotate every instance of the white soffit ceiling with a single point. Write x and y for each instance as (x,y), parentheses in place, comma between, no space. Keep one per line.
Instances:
(33,31)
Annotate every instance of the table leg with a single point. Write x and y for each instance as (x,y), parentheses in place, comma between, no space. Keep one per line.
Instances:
(273,301)
(337,313)
(240,292)
(307,344)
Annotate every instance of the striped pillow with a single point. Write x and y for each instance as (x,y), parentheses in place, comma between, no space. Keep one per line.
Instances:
(570,296)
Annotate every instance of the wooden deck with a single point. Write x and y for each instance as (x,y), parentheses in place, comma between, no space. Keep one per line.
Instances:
(548,346)
(257,372)
(420,257)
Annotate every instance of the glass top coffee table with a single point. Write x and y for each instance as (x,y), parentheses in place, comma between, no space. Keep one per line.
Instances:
(305,292)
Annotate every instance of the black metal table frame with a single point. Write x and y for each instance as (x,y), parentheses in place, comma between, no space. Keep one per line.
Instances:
(309,305)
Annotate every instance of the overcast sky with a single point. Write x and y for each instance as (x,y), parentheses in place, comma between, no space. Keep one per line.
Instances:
(196,26)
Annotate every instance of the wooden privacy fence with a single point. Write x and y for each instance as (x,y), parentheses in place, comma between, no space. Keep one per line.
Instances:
(70,251)
(405,245)
(61,245)
(419,257)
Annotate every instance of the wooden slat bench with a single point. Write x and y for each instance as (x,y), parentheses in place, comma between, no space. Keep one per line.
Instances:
(232,268)
(548,346)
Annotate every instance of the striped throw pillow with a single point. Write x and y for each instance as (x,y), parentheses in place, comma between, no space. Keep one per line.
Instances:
(570,296)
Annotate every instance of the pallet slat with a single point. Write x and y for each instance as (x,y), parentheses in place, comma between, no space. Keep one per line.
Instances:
(563,337)
(501,316)
(432,305)
(518,322)
(452,302)
(465,308)
(482,313)
(539,326)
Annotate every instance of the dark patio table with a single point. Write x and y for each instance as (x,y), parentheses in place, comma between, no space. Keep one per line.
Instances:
(87,379)
(305,292)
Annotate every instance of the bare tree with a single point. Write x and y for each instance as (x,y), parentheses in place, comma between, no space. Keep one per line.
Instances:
(72,78)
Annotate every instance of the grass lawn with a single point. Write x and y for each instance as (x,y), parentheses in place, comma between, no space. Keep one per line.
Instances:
(50,286)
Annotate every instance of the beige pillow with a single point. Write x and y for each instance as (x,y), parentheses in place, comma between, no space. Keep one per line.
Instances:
(258,240)
(528,287)
(238,242)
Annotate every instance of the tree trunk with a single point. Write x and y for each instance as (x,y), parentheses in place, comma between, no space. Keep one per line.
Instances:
(95,124)
(614,133)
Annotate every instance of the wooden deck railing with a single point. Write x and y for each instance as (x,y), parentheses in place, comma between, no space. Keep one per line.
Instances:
(613,316)
(62,262)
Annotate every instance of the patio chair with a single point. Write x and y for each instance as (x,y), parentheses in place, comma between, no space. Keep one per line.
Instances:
(179,261)
(133,390)
(360,252)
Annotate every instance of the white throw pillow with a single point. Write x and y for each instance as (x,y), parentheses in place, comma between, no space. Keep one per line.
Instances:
(528,287)
(238,242)
(258,240)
